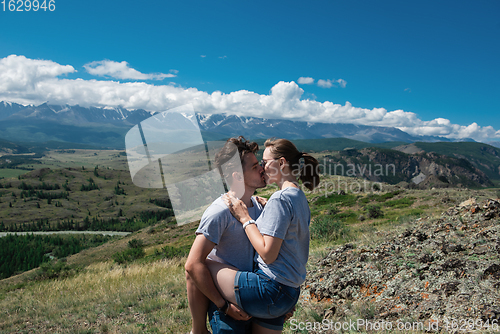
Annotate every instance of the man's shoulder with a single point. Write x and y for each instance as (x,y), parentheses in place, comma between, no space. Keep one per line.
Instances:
(217,208)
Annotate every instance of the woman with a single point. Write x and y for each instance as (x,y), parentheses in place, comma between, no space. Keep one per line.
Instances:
(280,237)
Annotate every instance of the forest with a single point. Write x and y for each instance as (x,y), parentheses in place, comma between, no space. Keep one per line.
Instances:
(145,219)
(24,252)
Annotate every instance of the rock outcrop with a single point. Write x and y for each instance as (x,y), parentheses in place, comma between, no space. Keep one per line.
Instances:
(446,268)
(421,170)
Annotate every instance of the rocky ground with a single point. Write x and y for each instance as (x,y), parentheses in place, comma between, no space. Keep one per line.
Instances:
(442,272)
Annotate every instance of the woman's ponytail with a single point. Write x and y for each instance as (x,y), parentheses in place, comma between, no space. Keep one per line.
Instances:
(303,165)
(309,174)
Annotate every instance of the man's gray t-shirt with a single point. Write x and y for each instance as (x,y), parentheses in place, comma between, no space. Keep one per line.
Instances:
(287,216)
(232,245)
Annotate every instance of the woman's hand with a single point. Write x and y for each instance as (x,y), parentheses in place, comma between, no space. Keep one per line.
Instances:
(267,246)
(237,207)
(262,201)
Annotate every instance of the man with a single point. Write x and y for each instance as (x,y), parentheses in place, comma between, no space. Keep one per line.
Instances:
(220,237)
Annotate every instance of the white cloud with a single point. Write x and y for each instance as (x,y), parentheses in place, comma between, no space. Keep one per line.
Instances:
(305,80)
(19,74)
(325,83)
(331,83)
(24,80)
(121,70)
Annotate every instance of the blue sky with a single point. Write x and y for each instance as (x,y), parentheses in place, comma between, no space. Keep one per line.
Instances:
(426,67)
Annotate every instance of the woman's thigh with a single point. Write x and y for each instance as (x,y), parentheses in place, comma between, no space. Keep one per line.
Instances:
(262,297)
(223,276)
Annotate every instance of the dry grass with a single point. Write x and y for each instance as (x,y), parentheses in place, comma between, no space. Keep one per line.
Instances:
(79,157)
(104,298)
(150,297)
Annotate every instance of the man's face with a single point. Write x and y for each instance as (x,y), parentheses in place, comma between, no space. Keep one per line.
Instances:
(253,172)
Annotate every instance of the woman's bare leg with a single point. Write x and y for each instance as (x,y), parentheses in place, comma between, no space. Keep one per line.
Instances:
(223,276)
(198,305)
(257,329)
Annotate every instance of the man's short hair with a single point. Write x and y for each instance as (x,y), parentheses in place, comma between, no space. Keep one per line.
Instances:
(224,161)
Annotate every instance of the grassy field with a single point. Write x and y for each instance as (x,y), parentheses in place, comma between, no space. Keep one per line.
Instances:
(10,173)
(94,294)
(76,158)
(104,298)
(67,158)
(97,295)
(87,184)
(114,196)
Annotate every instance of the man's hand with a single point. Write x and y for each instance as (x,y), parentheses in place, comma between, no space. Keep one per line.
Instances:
(236,313)
(262,201)
(237,207)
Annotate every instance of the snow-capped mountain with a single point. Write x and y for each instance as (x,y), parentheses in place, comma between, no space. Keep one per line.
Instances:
(253,127)
(71,114)
(8,108)
(96,125)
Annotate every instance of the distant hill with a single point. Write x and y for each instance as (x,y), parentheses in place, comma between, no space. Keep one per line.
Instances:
(79,198)
(494,143)
(422,170)
(443,159)
(333,144)
(483,156)
(338,144)
(37,147)
(7,147)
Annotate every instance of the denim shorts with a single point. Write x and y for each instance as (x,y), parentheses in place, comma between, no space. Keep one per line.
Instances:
(266,300)
(224,324)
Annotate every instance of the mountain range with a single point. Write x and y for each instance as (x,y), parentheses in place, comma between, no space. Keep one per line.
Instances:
(106,127)
(33,129)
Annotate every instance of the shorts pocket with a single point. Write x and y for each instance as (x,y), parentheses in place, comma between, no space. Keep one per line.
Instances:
(282,303)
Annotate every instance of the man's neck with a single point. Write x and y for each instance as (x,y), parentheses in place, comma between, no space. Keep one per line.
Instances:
(247,197)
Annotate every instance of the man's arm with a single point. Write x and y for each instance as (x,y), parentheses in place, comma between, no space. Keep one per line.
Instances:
(198,271)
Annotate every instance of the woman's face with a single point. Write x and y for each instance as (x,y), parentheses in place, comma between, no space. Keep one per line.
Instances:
(271,166)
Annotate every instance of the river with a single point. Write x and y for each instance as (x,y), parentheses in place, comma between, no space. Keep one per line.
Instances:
(112,233)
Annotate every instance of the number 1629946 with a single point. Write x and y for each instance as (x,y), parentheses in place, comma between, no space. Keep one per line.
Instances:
(28,5)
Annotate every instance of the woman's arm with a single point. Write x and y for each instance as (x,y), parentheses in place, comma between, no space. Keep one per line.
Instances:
(267,246)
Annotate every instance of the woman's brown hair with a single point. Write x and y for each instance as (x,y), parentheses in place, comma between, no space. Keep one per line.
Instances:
(308,171)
